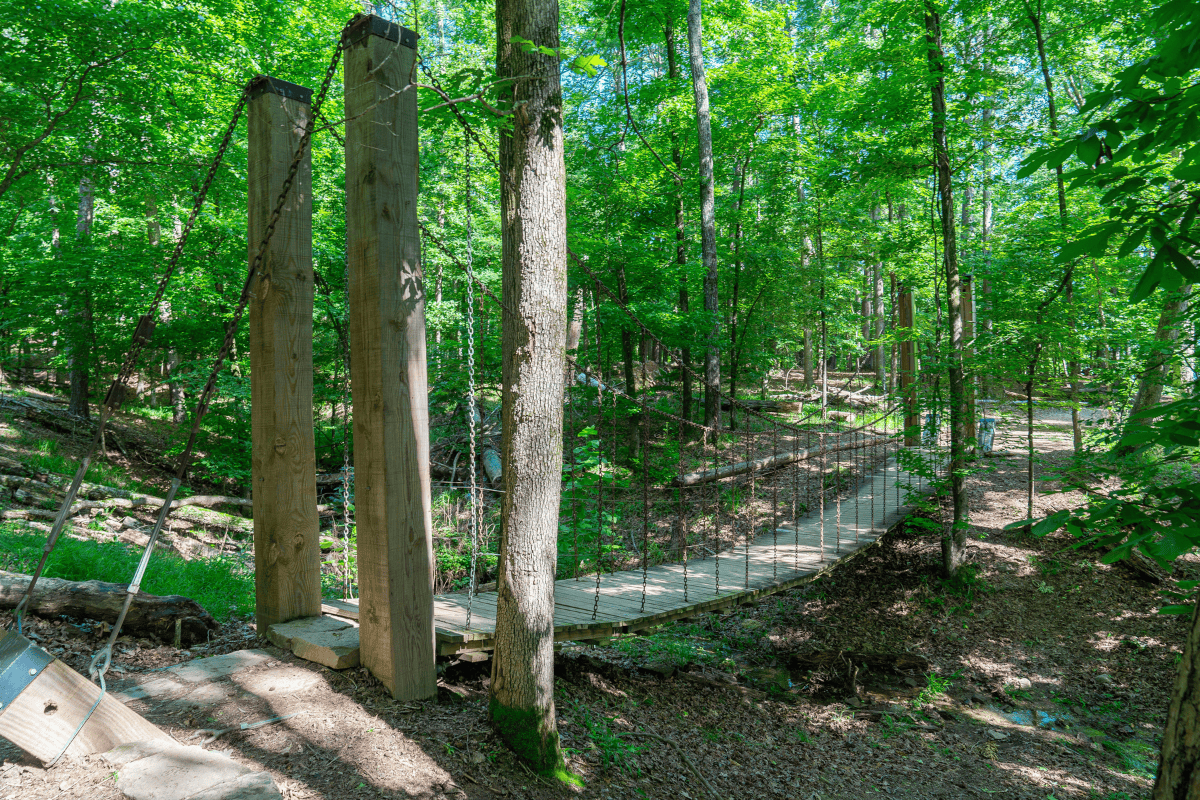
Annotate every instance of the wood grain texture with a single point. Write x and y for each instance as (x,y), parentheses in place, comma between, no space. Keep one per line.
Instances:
(287,567)
(44,716)
(388,369)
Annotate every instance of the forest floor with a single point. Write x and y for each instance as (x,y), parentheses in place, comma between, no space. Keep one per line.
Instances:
(1050,678)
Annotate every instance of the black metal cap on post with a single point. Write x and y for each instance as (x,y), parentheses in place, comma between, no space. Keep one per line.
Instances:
(265,84)
(364,25)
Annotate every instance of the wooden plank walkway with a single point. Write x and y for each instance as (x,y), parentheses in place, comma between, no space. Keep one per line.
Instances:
(792,554)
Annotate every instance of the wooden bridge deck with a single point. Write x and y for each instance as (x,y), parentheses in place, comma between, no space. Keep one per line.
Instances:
(777,560)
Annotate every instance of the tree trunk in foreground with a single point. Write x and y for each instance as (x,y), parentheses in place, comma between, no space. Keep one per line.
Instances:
(534,244)
(1179,764)
(708,219)
(954,542)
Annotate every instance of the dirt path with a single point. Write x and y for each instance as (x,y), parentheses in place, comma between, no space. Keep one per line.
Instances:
(1051,677)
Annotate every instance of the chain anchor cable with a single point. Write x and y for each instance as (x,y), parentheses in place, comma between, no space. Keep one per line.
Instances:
(103,658)
(474,498)
(142,336)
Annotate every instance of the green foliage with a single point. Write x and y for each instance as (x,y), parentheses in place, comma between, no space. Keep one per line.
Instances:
(223,586)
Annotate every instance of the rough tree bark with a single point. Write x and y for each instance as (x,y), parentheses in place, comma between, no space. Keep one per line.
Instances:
(954,542)
(708,223)
(1179,765)
(534,259)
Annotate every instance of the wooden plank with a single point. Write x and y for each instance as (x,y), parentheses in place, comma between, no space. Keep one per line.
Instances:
(42,718)
(283,471)
(388,369)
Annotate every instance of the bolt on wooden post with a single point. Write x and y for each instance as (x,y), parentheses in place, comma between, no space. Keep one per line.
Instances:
(968,323)
(908,369)
(387,360)
(287,552)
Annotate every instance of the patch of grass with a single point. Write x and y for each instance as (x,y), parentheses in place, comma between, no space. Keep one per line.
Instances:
(675,646)
(1136,757)
(223,586)
(935,686)
(615,752)
(1046,567)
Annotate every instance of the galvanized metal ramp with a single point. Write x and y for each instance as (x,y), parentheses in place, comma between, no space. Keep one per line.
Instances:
(782,557)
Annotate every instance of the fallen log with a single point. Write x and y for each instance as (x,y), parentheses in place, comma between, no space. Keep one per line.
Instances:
(842,660)
(765,463)
(149,615)
(492,465)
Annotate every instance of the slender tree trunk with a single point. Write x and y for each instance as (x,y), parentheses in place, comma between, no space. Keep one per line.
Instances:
(1035,18)
(534,261)
(954,542)
(81,343)
(877,312)
(1154,376)
(734,317)
(626,334)
(685,355)
(808,358)
(708,222)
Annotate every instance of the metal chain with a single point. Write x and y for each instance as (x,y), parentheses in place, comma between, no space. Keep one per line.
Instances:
(347,583)
(100,662)
(473,498)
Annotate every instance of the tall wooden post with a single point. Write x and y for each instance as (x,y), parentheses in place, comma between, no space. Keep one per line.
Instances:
(968,323)
(287,551)
(908,369)
(387,360)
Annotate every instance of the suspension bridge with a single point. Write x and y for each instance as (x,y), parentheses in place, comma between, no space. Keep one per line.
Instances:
(787,555)
(775,502)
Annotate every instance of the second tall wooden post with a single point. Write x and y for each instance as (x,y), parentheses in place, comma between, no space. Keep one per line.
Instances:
(908,369)
(387,361)
(283,471)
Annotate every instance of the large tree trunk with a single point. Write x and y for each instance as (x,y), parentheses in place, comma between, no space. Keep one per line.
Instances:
(954,541)
(708,221)
(1179,764)
(534,253)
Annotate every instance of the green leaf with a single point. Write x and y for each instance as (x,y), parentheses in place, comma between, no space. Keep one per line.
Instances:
(1149,281)
(588,65)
